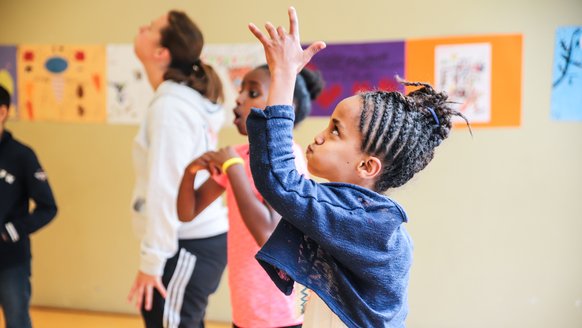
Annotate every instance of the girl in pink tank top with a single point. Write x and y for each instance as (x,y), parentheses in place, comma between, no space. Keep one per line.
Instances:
(255,300)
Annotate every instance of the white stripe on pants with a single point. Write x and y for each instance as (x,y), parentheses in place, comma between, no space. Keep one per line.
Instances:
(176,287)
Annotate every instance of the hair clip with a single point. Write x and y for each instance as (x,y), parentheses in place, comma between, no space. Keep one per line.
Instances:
(434,115)
(197,65)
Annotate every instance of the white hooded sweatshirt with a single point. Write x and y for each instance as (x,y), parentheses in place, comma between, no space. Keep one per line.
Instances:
(180,125)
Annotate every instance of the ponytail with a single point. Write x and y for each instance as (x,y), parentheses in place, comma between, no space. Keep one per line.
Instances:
(212,88)
(200,77)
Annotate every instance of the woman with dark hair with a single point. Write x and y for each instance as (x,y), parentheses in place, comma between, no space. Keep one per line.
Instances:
(180,264)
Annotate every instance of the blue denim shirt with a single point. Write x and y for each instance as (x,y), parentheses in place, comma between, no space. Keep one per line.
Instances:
(344,242)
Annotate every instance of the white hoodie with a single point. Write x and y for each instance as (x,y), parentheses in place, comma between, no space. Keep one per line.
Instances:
(180,125)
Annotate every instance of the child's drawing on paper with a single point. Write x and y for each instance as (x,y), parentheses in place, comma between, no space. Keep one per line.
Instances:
(61,83)
(464,72)
(128,90)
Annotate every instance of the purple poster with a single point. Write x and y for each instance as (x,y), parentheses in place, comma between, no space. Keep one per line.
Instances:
(8,74)
(349,68)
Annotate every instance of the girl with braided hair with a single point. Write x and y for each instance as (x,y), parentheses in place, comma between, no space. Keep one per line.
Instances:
(342,239)
(403,131)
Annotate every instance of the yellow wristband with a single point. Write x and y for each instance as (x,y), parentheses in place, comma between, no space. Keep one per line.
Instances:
(230,162)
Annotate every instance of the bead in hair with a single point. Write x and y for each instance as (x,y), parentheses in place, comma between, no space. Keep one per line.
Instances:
(434,115)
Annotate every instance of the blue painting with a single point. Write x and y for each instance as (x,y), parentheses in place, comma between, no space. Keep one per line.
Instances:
(566,101)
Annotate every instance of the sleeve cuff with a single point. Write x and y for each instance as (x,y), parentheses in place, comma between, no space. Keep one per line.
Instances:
(151,264)
(11,232)
(276,111)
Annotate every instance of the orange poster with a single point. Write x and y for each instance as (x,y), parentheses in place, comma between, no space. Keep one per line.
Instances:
(62,83)
(481,74)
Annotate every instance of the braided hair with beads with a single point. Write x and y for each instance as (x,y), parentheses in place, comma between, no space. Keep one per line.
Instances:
(404,130)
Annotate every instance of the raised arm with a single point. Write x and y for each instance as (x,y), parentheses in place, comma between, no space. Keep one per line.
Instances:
(270,136)
(320,211)
(272,162)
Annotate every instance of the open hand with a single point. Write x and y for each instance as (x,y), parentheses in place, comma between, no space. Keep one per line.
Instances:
(143,290)
(283,50)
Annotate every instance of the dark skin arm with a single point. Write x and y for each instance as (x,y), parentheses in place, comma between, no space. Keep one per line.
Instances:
(258,217)
(190,201)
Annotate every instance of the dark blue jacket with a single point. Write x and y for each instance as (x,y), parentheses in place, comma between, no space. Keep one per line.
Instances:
(21,179)
(344,242)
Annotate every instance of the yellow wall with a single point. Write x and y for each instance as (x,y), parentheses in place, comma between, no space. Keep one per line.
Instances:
(496,219)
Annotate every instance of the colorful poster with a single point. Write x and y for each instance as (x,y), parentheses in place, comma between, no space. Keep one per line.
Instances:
(128,89)
(8,76)
(232,62)
(567,75)
(464,72)
(482,73)
(62,83)
(350,68)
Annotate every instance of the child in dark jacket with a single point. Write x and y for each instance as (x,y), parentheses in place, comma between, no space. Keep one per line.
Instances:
(22,179)
(343,239)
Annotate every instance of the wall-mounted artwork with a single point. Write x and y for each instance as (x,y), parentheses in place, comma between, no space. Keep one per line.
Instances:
(464,72)
(232,62)
(350,68)
(567,75)
(62,83)
(128,89)
(481,74)
(8,77)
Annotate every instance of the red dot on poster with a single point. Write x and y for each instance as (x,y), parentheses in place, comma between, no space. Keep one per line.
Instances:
(388,85)
(312,67)
(79,55)
(361,86)
(28,55)
(329,95)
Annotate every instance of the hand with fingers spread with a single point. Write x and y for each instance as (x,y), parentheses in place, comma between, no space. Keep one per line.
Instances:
(285,57)
(143,289)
